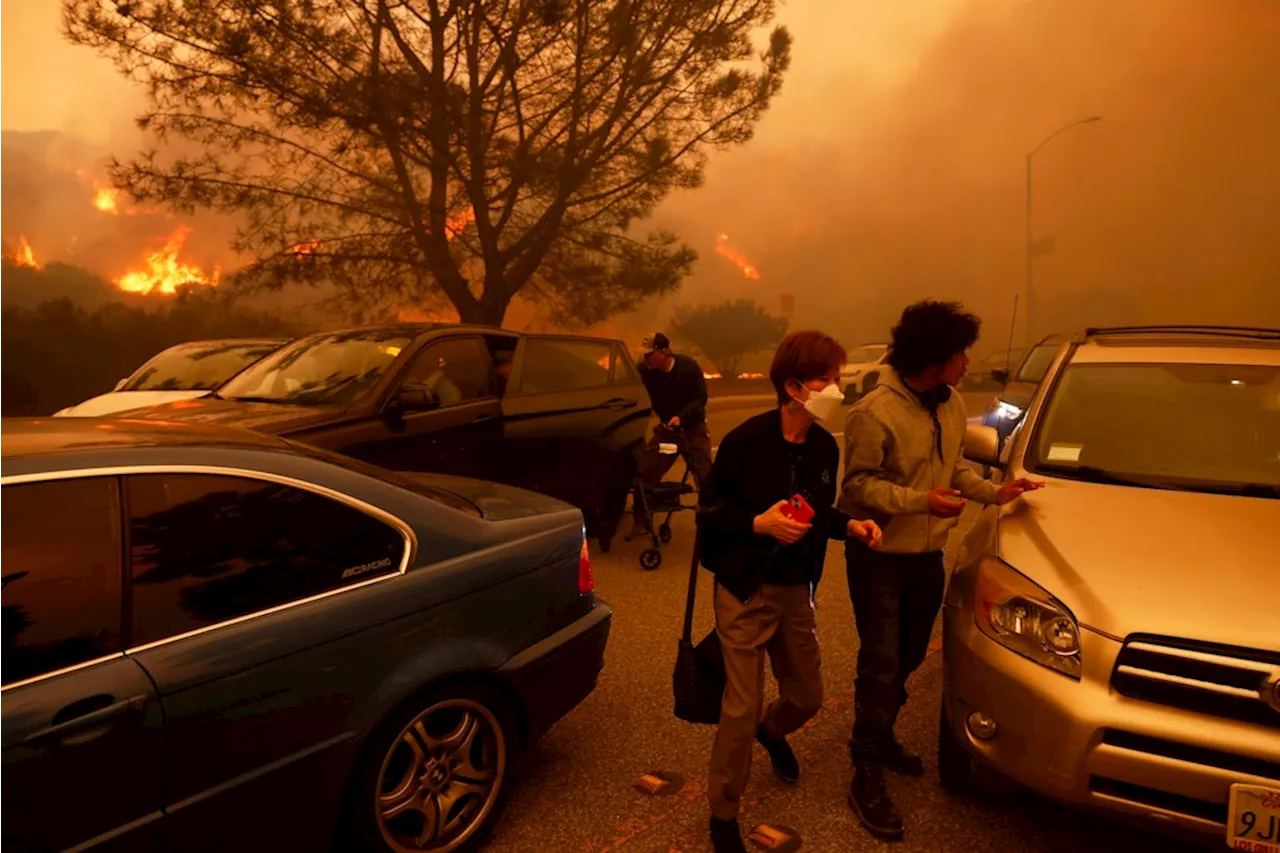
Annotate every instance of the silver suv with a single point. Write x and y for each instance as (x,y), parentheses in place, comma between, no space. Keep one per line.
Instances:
(1113,640)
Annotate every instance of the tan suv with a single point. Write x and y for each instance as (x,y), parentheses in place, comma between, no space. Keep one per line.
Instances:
(1113,640)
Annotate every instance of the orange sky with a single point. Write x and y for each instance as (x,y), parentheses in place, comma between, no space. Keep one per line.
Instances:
(891,167)
(51,85)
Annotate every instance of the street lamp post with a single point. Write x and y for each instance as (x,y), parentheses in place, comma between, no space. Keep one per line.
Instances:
(1031,302)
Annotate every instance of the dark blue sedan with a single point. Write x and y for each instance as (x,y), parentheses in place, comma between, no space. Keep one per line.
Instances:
(218,640)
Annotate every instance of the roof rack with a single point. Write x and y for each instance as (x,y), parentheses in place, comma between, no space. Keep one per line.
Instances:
(1213,331)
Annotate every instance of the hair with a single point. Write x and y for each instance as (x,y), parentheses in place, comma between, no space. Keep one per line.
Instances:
(803,356)
(929,335)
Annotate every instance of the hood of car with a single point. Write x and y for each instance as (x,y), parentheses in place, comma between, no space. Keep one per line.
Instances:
(272,418)
(123,401)
(1129,559)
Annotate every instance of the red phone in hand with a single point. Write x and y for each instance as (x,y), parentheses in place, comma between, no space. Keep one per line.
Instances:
(798,509)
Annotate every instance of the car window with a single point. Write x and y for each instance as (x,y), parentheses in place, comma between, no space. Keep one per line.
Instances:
(207,548)
(62,574)
(1184,425)
(196,367)
(1037,363)
(624,372)
(556,364)
(323,370)
(456,370)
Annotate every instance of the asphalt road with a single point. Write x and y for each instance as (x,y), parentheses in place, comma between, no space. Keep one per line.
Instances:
(575,793)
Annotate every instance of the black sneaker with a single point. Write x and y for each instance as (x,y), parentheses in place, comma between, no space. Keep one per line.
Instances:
(726,837)
(783,758)
(904,761)
(870,800)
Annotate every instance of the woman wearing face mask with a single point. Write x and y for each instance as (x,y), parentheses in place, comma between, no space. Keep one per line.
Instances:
(767,566)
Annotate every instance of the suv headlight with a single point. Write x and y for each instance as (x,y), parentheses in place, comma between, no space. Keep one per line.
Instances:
(1006,411)
(1024,618)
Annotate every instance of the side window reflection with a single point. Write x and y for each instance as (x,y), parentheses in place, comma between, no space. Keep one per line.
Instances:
(206,549)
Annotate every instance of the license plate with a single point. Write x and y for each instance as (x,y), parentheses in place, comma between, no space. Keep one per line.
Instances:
(1253,819)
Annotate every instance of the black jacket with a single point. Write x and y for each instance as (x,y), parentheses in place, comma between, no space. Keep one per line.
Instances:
(752,472)
(681,391)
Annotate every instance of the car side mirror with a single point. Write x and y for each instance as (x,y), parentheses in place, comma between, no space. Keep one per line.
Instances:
(120,384)
(1000,375)
(982,445)
(416,397)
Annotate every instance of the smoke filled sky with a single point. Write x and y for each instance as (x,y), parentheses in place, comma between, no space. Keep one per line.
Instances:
(893,165)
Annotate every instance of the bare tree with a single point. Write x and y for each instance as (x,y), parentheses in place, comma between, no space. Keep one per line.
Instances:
(432,150)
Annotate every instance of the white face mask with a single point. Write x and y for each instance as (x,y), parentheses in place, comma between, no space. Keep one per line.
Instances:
(825,403)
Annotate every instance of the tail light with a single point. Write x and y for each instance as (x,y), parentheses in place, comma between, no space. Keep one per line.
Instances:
(586,577)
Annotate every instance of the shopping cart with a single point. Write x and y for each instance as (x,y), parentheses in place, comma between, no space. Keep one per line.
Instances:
(667,497)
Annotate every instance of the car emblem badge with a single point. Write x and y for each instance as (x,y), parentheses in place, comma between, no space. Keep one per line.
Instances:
(1269,690)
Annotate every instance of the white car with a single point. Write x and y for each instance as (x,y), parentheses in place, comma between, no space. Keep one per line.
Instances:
(182,372)
(862,371)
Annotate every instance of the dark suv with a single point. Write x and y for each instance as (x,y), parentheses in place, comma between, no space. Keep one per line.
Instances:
(1017,390)
(556,414)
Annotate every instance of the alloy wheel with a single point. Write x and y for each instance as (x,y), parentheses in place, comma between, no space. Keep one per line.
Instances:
(441,777)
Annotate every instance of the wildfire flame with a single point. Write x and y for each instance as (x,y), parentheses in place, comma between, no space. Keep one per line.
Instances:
(105,198)
(308,248)
(455,225)
(164,272)
(23,256)
(735,257)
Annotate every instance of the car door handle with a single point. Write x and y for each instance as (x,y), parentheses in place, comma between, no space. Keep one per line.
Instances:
(480,419)
(88,713)
(618,403)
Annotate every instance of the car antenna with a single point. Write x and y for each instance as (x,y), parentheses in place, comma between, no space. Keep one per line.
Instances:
(1013,324)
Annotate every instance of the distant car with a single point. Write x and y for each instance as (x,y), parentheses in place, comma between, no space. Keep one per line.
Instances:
(982,374)
(182,372)
(231,642)
(556,414)
(1110,641)
(862,371)
(1016,391)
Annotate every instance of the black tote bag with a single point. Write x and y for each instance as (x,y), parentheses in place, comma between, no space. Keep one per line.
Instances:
(699,678)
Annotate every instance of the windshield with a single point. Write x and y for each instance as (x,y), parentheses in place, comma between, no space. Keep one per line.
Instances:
(325,370)
(1207,427)
(865,355)
(197,367)
(1037,363)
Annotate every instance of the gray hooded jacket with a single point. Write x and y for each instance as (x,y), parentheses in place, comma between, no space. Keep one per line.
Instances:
(892,463)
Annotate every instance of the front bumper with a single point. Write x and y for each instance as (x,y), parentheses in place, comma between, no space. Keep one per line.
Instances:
(1083,744)
(554,675)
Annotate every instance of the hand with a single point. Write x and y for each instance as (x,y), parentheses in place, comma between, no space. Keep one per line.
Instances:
(1013,489)
(866,531)
(773,523)
(946,503)
(674,423)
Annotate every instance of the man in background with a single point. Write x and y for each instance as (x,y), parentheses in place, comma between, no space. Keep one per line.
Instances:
(678,391)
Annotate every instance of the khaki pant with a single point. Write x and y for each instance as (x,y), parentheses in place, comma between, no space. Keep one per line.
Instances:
(654,465)
(779,622)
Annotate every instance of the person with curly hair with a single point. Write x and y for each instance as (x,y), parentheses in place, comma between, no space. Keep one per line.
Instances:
(903,449)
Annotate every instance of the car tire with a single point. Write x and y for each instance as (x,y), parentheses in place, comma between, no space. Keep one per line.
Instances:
(955,766)
(448,755)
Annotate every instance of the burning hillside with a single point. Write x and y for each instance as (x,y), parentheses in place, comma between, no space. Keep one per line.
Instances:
(56,196)
(164,273)
(735,257)
(22,255)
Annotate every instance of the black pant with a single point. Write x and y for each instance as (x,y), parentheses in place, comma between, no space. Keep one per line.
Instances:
(895,601)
